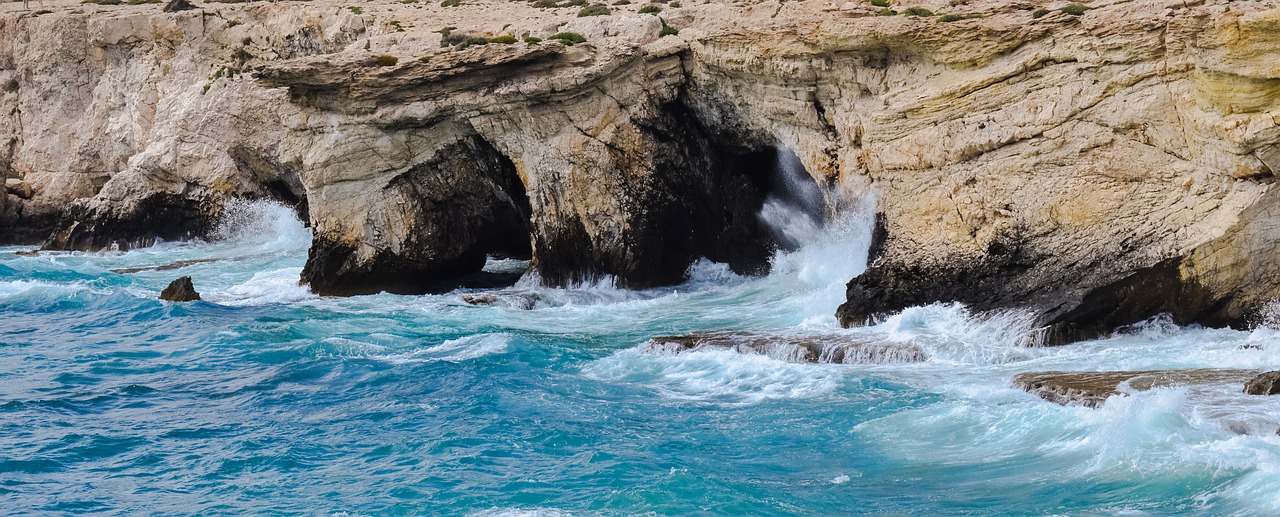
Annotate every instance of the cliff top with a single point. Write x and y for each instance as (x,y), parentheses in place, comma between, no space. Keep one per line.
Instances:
(413,28)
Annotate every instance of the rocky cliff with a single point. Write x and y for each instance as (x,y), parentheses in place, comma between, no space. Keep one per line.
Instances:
(1093,164)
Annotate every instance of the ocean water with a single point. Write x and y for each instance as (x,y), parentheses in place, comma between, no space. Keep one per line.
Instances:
(266,399)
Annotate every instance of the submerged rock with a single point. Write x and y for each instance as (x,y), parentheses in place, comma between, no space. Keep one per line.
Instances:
(525,301)
(1091,389)
(165,267)
(1264,384)
(824,348)
(180,290)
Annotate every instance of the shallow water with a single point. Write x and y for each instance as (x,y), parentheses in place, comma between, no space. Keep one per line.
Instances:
(265,399)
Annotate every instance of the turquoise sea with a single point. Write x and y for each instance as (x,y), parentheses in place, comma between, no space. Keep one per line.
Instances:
(264,399)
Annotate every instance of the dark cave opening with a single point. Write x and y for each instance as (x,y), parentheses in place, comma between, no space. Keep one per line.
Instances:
(764,202)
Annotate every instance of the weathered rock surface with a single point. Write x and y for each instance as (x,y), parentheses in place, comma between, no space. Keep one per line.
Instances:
(524,301)
(19,188)
(1091,389)
(1093,169)
(1095,190)
(180,290)
(1264,384)
(830,348)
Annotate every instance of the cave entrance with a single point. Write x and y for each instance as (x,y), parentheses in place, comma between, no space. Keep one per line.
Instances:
(504,234)
(761,201)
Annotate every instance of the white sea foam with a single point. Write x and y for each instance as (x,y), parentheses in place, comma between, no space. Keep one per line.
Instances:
(265,287)
(523,512)
(263,226)
(719,376)
(456,350)
(396,350)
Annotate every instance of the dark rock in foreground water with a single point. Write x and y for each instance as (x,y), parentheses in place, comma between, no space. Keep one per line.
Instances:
(826,348)
(1091,389)
(1264,384)
(181,290)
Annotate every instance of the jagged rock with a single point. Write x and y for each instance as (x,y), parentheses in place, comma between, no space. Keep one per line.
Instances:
(1091,389)
(829,348)
(1264,384)
(180,290)
(136,222)
(19,188)
(178,5)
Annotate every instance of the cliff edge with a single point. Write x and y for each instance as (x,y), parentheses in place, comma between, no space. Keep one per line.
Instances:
(1095,164)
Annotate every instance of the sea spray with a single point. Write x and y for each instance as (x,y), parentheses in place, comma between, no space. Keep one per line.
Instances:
(391,404)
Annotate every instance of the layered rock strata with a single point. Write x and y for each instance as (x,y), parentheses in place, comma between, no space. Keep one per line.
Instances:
(1092,169)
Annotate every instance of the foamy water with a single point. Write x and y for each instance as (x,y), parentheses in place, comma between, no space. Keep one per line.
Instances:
(264,398)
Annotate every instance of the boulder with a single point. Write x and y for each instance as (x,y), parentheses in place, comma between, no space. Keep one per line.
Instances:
(1264,384)
(180,290)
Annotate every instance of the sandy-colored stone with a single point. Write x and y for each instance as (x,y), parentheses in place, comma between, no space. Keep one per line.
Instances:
(1092,389)
(1059,154)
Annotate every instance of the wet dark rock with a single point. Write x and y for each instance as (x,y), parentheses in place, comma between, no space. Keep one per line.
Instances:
(823,348)
(694,197)
(1091,389)
(1264,384)
(1251,346)
(525,301)
(178,5)
(180,290)
(86,226)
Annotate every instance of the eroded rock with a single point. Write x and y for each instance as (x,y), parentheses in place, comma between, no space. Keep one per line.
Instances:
(1264,384)
(180,290)
(1041,164)
(1091,389)
(826,348)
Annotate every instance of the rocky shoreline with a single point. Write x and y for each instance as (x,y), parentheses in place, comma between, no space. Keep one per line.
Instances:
(1092,168)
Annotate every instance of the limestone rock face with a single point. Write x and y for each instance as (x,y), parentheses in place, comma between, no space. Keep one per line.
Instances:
(1092,169)
(437,220)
